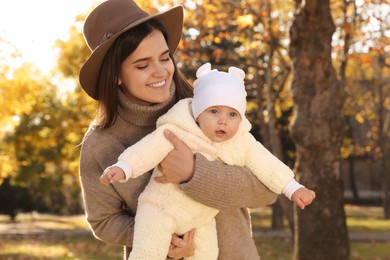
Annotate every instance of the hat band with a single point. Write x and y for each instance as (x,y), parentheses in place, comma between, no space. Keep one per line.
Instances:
(139,16)
(105,37)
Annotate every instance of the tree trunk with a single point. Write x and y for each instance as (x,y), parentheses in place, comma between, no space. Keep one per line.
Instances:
(382,140)
(352,179)
(321,231)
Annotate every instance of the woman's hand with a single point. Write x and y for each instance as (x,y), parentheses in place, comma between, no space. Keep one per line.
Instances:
(178,166)
(182,246)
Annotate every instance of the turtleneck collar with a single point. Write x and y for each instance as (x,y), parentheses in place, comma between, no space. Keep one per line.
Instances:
(141,115)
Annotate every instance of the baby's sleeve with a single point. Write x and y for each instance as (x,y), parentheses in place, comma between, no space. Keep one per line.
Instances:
(146,154)
(265,166)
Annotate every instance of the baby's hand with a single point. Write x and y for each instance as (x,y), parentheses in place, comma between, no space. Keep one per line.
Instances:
(303,197)
(182,246)
(112,174)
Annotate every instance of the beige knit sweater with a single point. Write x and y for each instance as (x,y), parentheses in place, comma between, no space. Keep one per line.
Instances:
(110,210)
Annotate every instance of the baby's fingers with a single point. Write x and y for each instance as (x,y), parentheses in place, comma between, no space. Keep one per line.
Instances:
(115,177)
(104,179)
(300,204)
(309,198)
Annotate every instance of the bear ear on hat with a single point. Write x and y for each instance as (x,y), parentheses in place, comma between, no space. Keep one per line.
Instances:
(238,73)
(203,70)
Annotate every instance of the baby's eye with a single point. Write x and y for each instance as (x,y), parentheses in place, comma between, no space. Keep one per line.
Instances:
(233,114)
(213,111)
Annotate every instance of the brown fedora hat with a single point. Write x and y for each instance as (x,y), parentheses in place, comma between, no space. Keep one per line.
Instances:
(108,21)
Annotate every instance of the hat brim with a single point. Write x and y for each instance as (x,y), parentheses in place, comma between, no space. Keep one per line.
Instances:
(172,20)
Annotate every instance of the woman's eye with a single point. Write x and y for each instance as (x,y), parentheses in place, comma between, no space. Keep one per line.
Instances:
(141,67)
(166,58)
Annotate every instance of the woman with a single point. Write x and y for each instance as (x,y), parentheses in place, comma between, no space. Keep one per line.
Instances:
(132,75)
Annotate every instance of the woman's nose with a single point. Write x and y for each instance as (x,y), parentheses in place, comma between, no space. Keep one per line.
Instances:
(159,70)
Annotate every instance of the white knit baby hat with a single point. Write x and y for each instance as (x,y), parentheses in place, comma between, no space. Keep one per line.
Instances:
(218,88)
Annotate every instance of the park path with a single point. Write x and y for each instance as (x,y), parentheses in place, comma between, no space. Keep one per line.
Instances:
(18,229)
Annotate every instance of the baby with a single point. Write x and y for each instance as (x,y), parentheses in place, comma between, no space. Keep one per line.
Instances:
(212,123)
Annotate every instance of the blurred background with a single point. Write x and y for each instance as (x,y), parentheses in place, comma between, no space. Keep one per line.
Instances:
(44,113)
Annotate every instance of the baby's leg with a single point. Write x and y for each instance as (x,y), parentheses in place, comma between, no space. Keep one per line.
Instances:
(152,233)
(206,243)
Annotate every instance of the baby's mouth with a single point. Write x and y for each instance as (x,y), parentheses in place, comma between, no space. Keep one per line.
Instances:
(220,132)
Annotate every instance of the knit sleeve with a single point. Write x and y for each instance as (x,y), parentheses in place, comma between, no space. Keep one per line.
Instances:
(147,153)
(222,186)
(103,205)
(265,166)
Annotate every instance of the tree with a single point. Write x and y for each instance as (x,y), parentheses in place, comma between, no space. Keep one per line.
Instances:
(364,68)
(41,128)
(44,144)
(316,130)
(18,91)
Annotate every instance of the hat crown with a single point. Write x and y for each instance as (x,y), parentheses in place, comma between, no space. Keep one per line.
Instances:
(109,18)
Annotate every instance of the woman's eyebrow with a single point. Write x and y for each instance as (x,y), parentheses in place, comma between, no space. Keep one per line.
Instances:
(148,58)
(140,60)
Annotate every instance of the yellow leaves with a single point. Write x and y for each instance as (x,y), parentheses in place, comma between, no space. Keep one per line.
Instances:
(345,152)
(360,104)
(45,133)
(73,137)
(368,148)
(18,94)
(244,21)
(210,23)
(365,58)
(364,65)
(252,105)
(278,111)
(7,166)
(359,118)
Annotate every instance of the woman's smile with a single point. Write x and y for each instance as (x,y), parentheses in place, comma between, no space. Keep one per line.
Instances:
(157,85)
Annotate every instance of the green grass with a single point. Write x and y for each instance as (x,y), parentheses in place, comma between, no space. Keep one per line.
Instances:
(84,246)
(359,219)
(274,248)
(367,219)
(57,247)
(370,251)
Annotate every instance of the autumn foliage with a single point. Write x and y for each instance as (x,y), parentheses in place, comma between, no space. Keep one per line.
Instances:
(42,122)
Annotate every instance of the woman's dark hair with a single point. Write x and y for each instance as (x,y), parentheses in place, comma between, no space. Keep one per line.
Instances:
(107,82)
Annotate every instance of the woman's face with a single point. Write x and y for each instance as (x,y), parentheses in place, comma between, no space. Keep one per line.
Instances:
(146,74)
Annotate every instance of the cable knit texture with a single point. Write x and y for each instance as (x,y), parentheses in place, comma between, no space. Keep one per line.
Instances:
(110,210)
(178,213)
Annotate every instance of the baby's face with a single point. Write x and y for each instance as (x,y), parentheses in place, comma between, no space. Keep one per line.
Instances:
(219,123)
